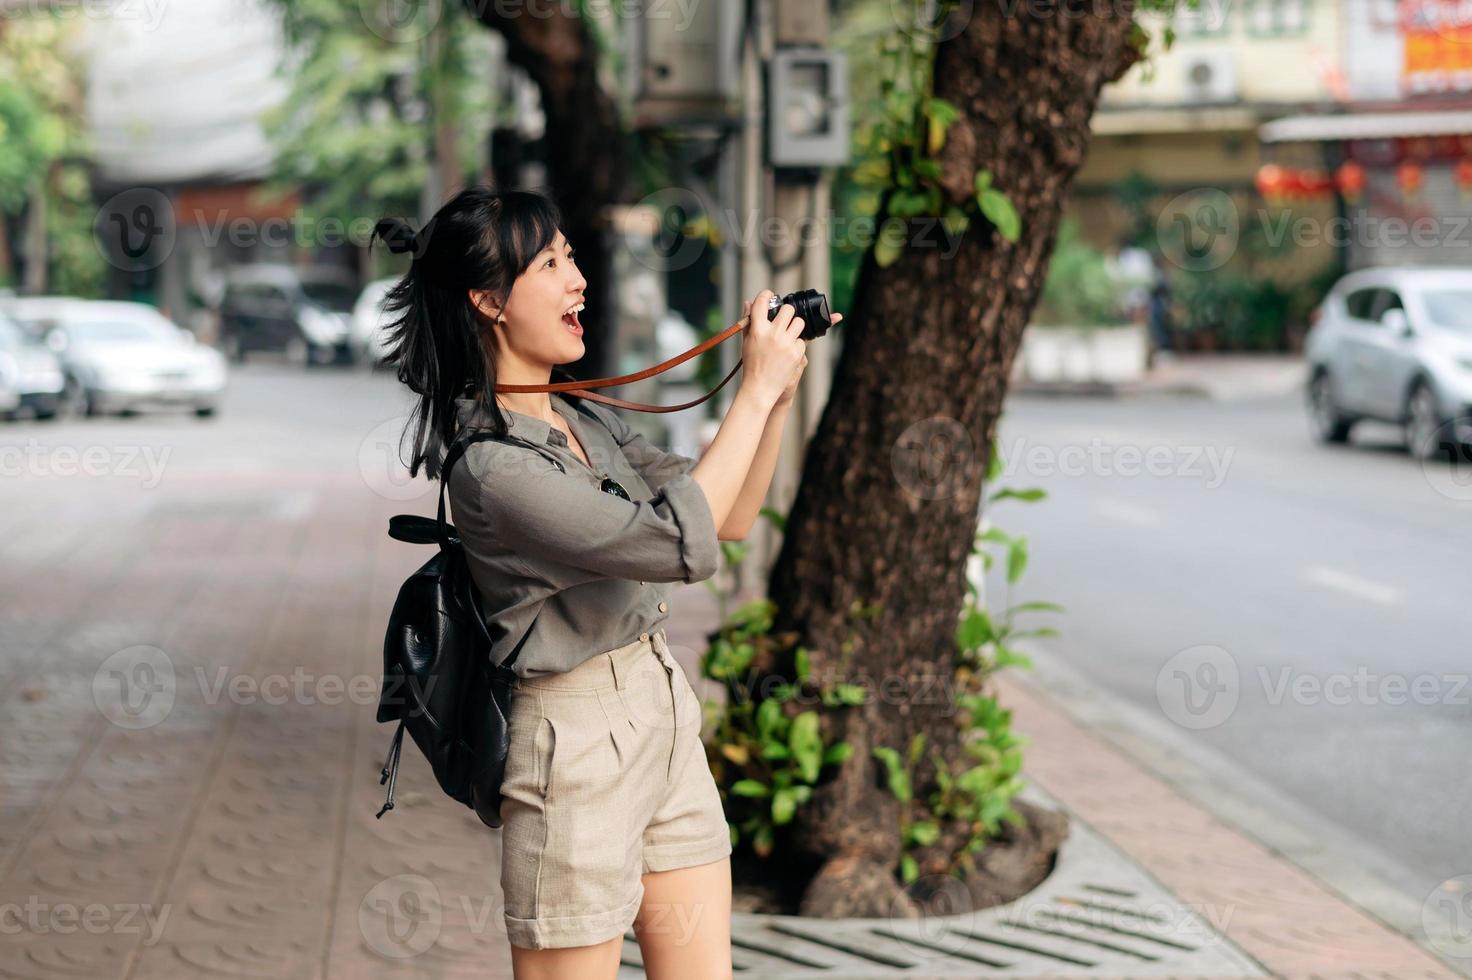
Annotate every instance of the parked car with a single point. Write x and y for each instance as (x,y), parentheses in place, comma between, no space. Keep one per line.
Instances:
(37,314)
(1395,344)
(119,356)
(370,322)
(32,373)
(302,313)
(9,393)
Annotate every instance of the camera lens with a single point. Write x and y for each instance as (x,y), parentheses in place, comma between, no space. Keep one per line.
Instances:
(812,310)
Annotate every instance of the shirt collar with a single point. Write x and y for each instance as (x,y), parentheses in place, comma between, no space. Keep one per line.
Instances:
(470,411)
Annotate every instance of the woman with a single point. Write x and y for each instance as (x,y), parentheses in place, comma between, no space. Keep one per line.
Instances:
(575,529)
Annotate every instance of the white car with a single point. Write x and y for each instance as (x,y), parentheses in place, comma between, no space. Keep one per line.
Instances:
(370,322)
(120,356)
(1395,344)
(30,371)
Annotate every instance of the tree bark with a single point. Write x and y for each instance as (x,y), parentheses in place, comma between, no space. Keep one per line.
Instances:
(584,147)
(888,505)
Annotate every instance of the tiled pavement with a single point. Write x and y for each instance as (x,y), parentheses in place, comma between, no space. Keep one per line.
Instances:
(189,760)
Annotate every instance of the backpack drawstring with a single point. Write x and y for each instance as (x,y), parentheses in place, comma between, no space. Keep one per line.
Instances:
(390,773)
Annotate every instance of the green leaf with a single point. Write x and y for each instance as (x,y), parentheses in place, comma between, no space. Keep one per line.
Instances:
(917,746)
(750,787)
(838,752)
(924,832)
(1031,494)
(889,243)
(804,663)
(908,204)
(928,169)
(775,517)
(1007,657)
(784,805)
(982,181)
(994,465)
(975,629)
(898,779)
(999,211)
(1037,607)
(956,220)
(775,750)
(1017,560)
(767,717)
(806,745)
(909,870)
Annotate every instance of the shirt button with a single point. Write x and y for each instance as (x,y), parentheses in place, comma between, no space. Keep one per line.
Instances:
(643,636)
(664,607)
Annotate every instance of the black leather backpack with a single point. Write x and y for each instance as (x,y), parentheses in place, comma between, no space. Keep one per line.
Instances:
(439,681)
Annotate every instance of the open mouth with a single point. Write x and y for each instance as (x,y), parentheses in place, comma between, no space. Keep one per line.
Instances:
(570,317)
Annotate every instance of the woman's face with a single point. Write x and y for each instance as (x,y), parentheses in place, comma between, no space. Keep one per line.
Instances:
(540,323)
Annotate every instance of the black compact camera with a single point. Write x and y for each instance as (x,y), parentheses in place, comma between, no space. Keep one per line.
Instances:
(812,310)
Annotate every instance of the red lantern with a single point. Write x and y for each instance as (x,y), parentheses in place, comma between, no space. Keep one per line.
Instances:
(1462,174)
(1351,180)
(1271,181)
(1409,176)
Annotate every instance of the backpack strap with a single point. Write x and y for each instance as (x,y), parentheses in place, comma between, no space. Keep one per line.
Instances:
(390,773)
(457,449)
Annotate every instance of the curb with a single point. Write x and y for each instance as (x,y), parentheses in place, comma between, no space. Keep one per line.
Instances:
(1109,389)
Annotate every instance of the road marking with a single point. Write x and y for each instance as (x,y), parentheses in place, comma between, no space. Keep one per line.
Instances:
(1360,588)
(1128,513)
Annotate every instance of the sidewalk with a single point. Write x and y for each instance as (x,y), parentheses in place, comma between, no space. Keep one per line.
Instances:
(1220,377)
(1282,917)
(218,820)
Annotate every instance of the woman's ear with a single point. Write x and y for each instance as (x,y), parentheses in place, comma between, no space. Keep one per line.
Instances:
(485,301)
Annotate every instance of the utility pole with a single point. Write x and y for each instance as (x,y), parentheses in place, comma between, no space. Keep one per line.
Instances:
(782,177)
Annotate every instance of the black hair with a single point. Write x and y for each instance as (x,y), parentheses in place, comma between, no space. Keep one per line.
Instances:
(440,342)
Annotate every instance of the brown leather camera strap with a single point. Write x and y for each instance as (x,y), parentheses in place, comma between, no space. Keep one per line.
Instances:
(580,388)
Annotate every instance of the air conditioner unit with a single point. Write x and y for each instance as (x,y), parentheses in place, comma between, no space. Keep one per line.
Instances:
(686,51)
(1209,77)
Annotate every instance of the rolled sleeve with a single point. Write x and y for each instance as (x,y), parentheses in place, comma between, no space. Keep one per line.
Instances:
(570,531)
(699,547)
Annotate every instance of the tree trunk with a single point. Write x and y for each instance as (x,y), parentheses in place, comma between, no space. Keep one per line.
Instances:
(889,501)
(584,148)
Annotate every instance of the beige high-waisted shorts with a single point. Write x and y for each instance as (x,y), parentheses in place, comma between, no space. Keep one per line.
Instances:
(606,779)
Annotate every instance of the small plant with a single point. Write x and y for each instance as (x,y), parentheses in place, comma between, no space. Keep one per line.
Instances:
(978,790)
(908,129)
(1080,289)
(767,753)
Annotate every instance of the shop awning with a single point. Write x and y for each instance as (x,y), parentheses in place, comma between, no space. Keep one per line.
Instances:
(1366,126)
(1112,121)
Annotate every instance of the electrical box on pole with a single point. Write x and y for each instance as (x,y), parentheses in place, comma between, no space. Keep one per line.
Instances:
(807,108)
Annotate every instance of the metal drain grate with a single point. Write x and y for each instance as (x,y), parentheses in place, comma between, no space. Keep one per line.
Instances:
(1098,914)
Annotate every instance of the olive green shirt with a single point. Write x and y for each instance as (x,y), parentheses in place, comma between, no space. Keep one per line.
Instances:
(581,568)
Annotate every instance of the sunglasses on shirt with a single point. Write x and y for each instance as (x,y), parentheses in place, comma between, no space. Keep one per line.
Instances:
(610,485)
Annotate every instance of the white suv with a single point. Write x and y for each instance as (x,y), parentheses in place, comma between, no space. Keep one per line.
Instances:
(1395,344)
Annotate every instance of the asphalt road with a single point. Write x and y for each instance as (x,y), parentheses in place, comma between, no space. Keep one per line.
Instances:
(1298,609)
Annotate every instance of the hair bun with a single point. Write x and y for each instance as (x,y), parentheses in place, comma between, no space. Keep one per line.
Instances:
(398,235)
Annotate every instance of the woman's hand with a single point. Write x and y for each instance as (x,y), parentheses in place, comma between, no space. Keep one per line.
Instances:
(790,327)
